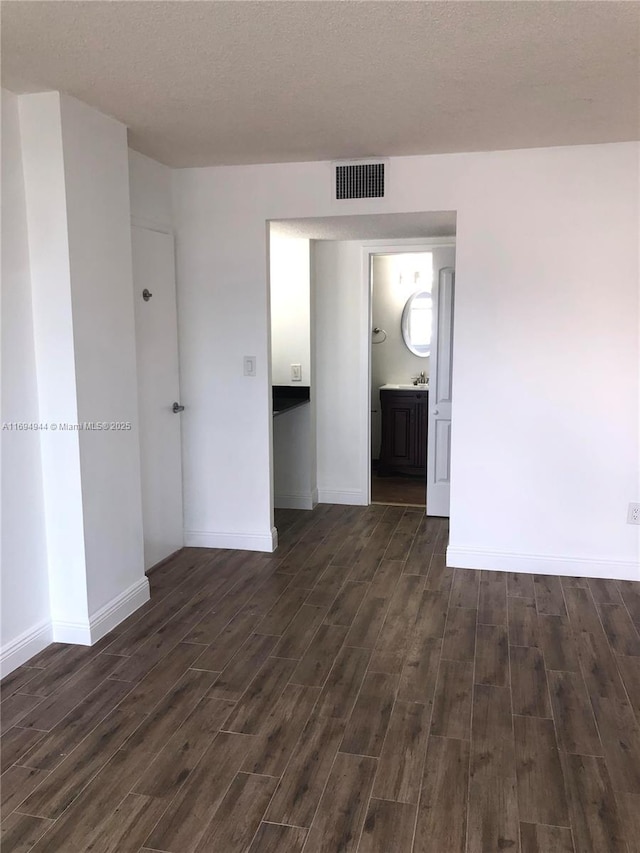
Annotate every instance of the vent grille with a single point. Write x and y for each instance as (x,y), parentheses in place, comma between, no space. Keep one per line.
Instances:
(364,180)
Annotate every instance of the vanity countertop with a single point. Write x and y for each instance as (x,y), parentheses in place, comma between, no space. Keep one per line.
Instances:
(410,387)
(286,397)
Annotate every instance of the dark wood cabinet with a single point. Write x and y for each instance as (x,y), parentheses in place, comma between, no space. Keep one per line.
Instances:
(404,432)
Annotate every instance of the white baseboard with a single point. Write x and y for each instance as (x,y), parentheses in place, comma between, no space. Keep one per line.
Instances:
(240,541)
(119,608)
(18,651)
(76,633)
(349,498)
(29,643)
(302,500)
(541,564)
(104,619)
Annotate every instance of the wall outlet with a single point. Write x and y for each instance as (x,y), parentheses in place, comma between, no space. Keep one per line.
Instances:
(633,516)
(249,364)
(296,373)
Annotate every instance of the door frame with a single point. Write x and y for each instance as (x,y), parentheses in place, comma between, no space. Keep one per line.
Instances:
(369,250)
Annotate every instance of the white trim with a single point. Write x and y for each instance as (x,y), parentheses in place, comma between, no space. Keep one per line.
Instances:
(18,651)
(76,633)
(408,244)
(33,641)
(462,557)
(118,609)
(239,541)
(105,619)
(302,500)
(349,498)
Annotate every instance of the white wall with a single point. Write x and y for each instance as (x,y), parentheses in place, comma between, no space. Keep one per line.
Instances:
(394,281)
(222,316)
(294,475)
(150,192)
(545,418)
(98,215)
(71,507)
(24,619)
(49,254)
(290,308)
(341,324)
(77,198)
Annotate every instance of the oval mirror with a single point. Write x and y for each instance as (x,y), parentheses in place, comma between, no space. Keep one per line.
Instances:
(416,323)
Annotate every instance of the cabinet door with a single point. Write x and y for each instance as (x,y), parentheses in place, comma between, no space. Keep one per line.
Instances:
(403,433)
(402,417)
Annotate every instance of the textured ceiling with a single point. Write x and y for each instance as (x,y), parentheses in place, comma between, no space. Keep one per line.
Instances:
(207,83)
(377,226)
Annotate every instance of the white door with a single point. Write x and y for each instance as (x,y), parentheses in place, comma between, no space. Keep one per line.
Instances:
(439,429)
(158,389)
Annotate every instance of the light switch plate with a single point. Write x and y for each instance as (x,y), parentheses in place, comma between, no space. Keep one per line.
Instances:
(296,373)
(249,363)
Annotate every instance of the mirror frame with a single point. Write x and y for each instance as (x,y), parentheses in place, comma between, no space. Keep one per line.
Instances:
(424,351)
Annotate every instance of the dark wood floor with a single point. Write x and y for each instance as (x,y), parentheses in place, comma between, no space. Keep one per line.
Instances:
(407,491)
(348,693)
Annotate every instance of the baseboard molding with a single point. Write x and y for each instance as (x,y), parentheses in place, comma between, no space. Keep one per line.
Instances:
(303,500)
(33,641)
(119,608)
(349,498)
(18,651)
(75,633)
(541,564)
(240,541)
(105,619)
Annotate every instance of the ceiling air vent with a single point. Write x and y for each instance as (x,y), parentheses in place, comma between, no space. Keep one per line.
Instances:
(360,180)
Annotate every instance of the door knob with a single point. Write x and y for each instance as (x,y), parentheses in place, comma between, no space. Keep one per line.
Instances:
(177,408)
(436,412)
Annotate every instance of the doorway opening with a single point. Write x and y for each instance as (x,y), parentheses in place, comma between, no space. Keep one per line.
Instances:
(401,309)
(319,279)
(410,374)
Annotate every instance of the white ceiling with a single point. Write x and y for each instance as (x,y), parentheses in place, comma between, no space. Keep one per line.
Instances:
(207,83)
(376,226)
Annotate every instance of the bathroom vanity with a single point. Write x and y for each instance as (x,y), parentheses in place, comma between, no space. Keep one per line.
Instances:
(286,397)
(404,429)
